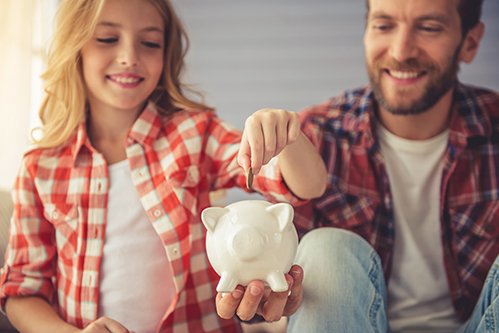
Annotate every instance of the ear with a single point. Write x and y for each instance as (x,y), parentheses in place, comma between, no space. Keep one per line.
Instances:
(211,215)
(471,43)
(283,212)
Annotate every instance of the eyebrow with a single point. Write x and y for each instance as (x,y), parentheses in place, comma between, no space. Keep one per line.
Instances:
(427,17)
(117,25)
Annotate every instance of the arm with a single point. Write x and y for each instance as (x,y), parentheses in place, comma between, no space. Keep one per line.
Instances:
(42,317)
(303,168)
(33,314)
(273,132)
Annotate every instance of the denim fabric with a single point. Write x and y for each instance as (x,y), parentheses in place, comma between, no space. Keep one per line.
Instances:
(485,317)
(345,291)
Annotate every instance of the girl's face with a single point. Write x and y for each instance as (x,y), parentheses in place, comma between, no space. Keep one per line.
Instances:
(123,61)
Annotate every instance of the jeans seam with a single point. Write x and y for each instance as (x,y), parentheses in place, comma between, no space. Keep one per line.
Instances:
(376,302)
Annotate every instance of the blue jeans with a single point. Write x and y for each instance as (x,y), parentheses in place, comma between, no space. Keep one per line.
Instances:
(344,288)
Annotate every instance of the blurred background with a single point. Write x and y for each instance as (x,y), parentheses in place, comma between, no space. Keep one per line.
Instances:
(244,55)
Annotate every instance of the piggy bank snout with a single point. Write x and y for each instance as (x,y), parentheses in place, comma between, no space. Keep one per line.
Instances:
(247,244)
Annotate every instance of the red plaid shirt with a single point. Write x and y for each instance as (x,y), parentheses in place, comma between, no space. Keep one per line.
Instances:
(358,197)
(60,202)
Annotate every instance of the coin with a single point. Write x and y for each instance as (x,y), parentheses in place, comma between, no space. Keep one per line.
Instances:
(249,178)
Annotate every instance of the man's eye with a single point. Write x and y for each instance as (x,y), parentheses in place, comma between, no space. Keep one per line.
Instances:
(428,28)
(109,40)
(381,27)
(152,45)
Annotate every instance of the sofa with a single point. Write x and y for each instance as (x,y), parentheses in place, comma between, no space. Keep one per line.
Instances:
(5,327)
(5,213)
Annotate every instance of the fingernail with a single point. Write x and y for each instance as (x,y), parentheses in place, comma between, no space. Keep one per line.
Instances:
(255,291)
(295,273)
(237,294)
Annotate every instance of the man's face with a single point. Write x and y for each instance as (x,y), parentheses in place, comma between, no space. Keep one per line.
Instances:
(412,50)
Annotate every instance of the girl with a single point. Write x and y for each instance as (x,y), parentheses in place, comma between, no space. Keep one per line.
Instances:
(105,234)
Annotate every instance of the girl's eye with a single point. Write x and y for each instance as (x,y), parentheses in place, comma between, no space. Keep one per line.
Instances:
(152,45)
(109,40)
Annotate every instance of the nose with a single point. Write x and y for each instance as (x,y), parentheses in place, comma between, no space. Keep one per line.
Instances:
(128,55)
(404,45)
(247,244)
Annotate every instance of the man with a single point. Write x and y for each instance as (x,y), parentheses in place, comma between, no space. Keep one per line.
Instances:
(413,161)
(413,194)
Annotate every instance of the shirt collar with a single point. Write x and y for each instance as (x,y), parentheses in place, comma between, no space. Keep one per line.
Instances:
(146,128)
(144,131)
(469,122)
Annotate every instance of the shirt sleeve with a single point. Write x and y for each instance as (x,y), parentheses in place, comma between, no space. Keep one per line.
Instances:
(312,120)
(30,256)
(222,146)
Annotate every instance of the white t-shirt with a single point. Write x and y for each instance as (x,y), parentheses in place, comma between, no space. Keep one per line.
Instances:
(418,292)
(136,283)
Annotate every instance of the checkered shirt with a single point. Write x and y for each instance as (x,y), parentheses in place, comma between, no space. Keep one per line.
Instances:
(358,196)
(60,208)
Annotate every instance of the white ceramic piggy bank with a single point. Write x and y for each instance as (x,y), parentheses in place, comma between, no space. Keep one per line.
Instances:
(251,240)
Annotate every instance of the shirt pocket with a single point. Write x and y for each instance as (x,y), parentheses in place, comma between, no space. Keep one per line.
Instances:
(64,218)
(479,220)
(185,184)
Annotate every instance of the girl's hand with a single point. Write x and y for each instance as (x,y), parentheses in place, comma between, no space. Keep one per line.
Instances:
(105,325)
(266,133)
(256,299)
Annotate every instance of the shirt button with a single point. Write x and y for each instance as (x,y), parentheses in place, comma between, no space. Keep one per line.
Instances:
(95,232)
(157,213)
(175,250)
(55,215)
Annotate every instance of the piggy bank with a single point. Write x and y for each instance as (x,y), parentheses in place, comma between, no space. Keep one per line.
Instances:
(250,240)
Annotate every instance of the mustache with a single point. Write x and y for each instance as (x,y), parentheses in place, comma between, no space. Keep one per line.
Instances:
(407,65)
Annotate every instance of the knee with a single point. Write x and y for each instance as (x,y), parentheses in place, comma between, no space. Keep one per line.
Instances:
(338,265)
(334,256)
(332,244)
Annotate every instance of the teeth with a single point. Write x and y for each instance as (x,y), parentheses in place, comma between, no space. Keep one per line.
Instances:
(404,75)
(126,79)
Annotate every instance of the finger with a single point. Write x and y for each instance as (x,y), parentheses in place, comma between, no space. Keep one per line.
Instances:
(251,300)
(254,136)
(244,154)
(273,307)
(296,293)
(294,128)
(269,123)
(111,325)
(227,303)
(282,131)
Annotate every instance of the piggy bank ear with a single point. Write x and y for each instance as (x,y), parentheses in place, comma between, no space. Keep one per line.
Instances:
(211,215)
(283,212)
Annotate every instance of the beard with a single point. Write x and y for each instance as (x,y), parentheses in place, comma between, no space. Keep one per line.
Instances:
(440,82)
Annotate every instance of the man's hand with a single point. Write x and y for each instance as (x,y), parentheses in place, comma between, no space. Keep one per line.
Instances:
(261,300)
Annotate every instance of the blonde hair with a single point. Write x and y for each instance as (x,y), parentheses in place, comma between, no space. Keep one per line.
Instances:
(65,102)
